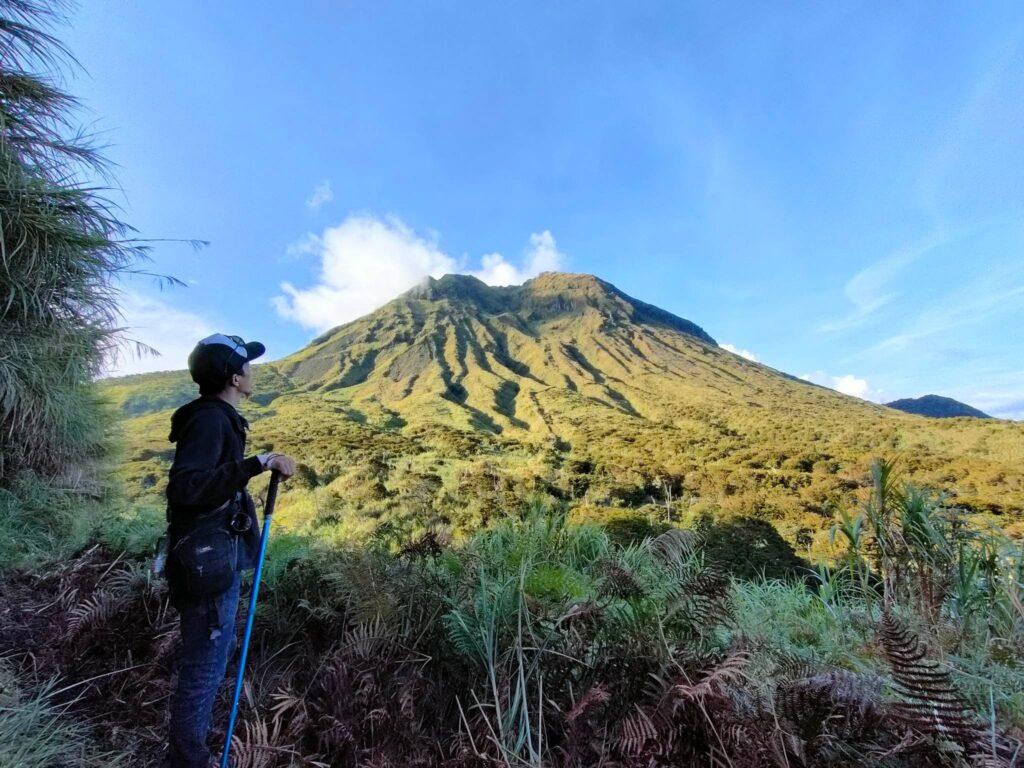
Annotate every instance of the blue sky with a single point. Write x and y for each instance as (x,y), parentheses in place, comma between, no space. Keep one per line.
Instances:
(835,188)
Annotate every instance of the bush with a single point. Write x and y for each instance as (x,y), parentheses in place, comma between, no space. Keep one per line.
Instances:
(749,548)
(624,529)
(623,526)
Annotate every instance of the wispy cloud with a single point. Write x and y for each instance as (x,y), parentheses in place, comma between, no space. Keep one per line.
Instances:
(366,261)
(1002,405)
(872,288)
(980,299)
(999,394)
(1008,409)
(307,245)
(171,331)
(322,194)
(992,89)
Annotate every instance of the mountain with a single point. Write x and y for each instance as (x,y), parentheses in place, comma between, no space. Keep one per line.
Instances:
(937,407)
(535,358)
(500,358)
(463,398)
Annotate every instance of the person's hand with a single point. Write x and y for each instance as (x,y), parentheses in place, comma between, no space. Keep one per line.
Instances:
(283,464)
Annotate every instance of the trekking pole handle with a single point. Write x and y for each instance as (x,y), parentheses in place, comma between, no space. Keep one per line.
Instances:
(268,506)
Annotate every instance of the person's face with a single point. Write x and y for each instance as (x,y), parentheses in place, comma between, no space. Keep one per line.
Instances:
(243,382)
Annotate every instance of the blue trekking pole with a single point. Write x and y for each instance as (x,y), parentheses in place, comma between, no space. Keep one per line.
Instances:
(268,510)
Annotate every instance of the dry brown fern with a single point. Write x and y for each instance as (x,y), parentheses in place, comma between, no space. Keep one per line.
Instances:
(94,612)
(634,732)
(931,704)
(264,746)
(702,600)
(830,707)
(712,682)
(616,580)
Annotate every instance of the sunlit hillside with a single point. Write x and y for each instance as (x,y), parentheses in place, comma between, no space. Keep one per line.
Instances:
(457,398)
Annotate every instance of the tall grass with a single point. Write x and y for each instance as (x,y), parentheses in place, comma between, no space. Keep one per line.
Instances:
(62,248)
(34,733)
(40,523)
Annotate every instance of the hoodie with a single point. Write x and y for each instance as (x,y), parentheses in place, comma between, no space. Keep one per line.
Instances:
(209,466)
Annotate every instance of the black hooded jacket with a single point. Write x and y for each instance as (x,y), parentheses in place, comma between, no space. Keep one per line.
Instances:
(209,465)
(210,468)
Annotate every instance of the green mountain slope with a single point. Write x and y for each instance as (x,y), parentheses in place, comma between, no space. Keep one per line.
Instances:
(498,358)
(567,386)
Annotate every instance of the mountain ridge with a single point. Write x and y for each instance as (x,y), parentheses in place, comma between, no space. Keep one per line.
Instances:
(937,407)
(565,290)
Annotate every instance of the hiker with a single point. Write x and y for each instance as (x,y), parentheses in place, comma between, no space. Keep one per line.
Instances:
(212,532)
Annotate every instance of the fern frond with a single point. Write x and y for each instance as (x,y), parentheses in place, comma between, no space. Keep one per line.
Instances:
(675,546)
(932,704)
(713,681)
(616,580)
(93,612)
(633,732)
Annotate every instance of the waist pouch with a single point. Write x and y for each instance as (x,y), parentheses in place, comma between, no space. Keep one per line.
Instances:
(207,555)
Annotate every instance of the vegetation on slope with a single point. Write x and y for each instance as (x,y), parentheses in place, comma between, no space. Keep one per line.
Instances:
(459,394)
(433,409)
(538,642)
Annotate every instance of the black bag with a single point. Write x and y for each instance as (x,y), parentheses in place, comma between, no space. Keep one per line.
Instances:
(207,556)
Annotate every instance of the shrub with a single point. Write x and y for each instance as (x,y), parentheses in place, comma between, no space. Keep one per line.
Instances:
(749,548)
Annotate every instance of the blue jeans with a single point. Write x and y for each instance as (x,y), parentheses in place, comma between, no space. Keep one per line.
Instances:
(207,642)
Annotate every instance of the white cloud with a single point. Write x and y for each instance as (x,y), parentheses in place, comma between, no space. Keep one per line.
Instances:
(171,332)
(847,384)
(542,256)
(496,271)
(999,394)
(1002,405)
(366,261)
(322,194)
(741,352)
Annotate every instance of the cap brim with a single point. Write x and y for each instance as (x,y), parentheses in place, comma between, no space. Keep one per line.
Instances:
(254,349)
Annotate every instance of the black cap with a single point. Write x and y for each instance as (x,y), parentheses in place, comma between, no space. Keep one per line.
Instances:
(218,356)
